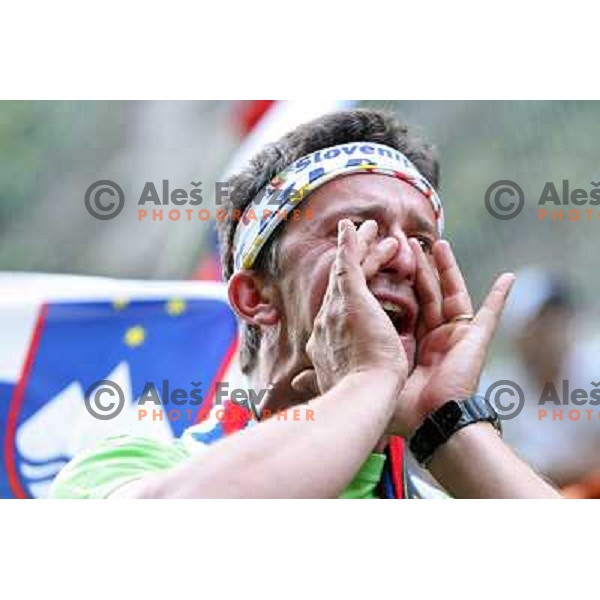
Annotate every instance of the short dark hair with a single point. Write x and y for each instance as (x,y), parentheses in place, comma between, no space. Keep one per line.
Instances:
(361,125)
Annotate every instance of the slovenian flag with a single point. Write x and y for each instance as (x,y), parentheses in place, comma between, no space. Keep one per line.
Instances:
(63,334)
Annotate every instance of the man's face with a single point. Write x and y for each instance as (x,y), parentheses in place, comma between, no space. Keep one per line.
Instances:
(308,249)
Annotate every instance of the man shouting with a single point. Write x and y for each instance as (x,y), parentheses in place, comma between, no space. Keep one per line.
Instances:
(354,312)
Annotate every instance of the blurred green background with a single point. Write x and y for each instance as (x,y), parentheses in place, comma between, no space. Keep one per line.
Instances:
(50,152)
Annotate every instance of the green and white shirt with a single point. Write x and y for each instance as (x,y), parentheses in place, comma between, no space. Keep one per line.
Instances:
(100,471)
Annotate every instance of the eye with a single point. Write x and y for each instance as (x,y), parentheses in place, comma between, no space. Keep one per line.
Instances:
(425,243)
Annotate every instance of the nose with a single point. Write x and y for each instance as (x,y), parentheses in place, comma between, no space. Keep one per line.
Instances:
(402,266)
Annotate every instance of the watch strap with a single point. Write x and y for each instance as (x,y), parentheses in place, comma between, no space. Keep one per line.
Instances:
(440,425)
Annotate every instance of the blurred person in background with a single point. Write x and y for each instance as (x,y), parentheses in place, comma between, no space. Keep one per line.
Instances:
(541,321)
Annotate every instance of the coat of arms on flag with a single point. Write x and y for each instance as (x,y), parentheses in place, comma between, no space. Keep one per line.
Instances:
(61,335)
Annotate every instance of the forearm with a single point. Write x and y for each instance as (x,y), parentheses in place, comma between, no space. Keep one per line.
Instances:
(476,463)
(306,458)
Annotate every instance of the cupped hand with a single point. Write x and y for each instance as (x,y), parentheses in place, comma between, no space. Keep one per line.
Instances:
(452,343)
(351,332)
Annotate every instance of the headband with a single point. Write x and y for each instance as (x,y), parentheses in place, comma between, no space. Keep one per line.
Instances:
(290,187)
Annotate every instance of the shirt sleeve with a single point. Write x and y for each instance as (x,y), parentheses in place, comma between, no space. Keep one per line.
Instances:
(98,472)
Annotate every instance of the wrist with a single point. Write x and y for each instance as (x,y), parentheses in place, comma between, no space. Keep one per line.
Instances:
(431,402)
(379,385)
(384,376)
(476,463)
(462,443)
(446,422)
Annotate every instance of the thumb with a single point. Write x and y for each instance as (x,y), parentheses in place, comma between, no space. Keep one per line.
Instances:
(306,382)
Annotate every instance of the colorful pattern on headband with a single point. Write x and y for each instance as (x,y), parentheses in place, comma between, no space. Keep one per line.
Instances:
(287,190)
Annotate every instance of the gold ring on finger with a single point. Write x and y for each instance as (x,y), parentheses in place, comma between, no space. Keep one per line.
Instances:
(462,317)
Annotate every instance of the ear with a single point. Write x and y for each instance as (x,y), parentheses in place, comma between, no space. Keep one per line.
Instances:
(252,299)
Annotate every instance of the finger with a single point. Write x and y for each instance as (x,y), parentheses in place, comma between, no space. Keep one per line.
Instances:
(487,318)
(332,284)
(428,289)
(380,254)
(306,382)
(347,248)
(456,299)
(366,234)
(347,270)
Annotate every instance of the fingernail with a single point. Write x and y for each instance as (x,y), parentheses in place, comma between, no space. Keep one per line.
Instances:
(390,243)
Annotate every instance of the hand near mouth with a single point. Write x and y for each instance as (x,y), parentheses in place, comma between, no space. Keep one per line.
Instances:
(351,332)
(451,342)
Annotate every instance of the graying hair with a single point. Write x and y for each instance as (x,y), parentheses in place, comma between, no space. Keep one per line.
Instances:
(361,125)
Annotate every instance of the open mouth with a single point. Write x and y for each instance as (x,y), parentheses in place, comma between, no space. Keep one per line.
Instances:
(401,314)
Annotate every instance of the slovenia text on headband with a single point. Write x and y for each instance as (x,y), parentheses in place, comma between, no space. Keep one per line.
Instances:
(290,187)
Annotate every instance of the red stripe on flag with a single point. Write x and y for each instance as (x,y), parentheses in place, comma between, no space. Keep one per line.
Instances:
(15,406)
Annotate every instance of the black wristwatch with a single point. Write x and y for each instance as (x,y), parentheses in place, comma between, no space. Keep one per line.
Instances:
(446,421)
